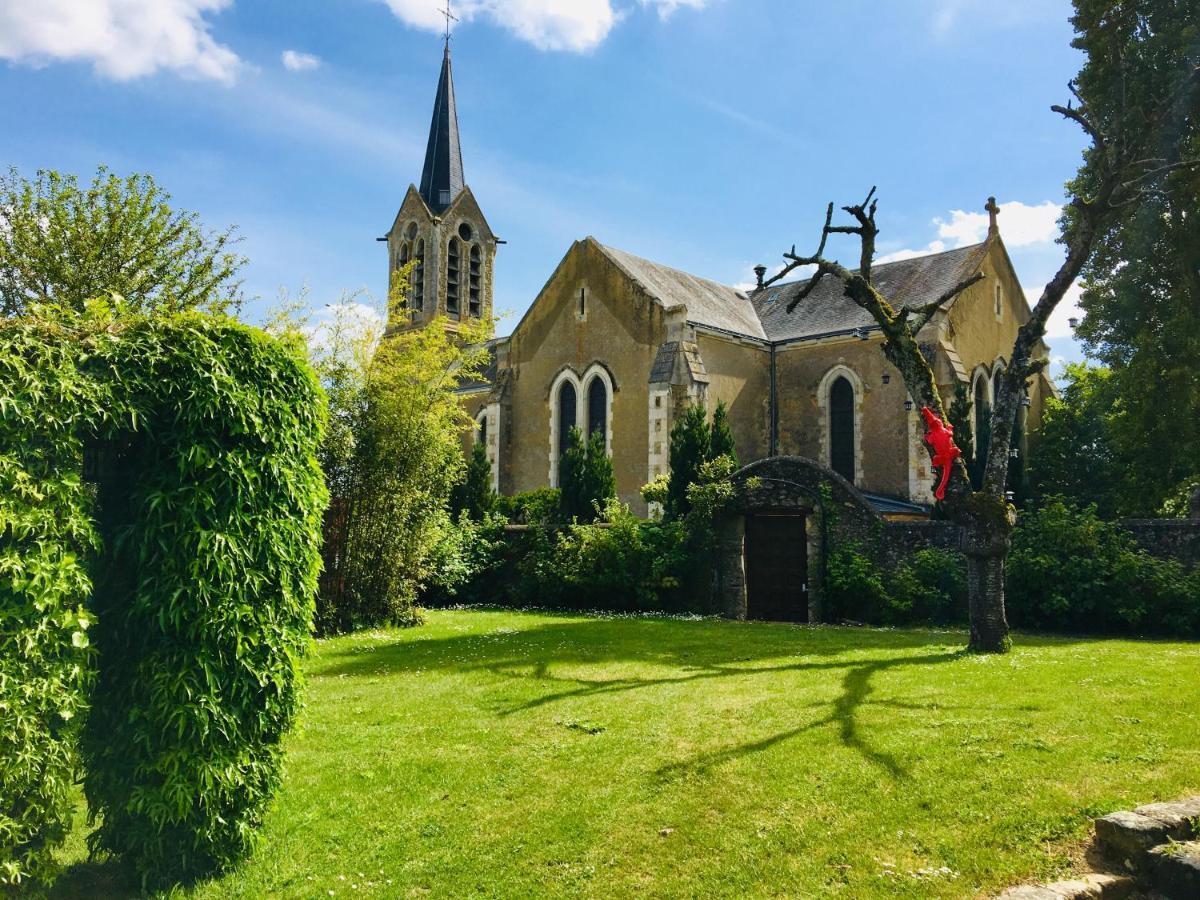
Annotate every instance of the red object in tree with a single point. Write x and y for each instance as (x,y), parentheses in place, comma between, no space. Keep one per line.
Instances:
(940,436)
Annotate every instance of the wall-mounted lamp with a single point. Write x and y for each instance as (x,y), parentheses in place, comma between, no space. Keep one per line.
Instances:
(908,405)
(887,379)
(1073,322)
(1014,453)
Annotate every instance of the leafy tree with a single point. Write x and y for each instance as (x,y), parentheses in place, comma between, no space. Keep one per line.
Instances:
(64,244)
(722,443)
(392,454)
(585,477)
(1141,287)
(473,495)
(1075,457)
(1136,145)
(691,447)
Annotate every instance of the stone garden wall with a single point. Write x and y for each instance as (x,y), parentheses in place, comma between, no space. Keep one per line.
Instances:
(1177,539)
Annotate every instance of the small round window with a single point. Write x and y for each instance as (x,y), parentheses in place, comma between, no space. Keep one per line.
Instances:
(464,231)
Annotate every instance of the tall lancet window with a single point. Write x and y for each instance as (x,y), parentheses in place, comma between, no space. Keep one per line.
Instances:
(418,278)
(453,259)
(841,428)
(597,400)
(566,415)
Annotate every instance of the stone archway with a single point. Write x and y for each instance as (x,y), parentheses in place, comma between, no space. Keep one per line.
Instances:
(778,499)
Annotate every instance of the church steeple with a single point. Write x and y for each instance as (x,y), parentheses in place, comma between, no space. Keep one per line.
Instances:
(442,177)
(440,244)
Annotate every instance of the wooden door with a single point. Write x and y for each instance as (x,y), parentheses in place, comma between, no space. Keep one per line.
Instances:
(776,568)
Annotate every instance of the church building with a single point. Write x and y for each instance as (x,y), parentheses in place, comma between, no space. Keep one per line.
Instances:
(620,344)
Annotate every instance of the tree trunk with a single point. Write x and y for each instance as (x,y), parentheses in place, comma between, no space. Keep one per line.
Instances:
(986,544)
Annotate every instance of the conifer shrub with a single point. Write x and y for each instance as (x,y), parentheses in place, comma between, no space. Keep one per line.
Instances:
(165,466)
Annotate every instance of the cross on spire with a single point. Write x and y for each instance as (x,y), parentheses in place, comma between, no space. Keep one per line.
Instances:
(450,17)
(993,212)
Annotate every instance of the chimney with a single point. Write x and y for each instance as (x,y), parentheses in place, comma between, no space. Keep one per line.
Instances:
(760,272)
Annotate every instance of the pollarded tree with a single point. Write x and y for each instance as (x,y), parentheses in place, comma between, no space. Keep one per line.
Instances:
(63,244)
(1133,149)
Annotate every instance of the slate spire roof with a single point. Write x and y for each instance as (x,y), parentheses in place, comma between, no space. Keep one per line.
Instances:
(442,177)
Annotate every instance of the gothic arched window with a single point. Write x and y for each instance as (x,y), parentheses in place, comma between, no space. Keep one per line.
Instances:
(418,278)
(566,415)
(597,408)
(452,266)
(841,428)
(983,418)
(473,286)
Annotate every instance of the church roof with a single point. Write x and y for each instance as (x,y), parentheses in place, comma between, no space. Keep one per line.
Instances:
(442,177)
(827,310)
(708,303)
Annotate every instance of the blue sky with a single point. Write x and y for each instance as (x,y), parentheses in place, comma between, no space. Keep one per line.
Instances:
(705,134)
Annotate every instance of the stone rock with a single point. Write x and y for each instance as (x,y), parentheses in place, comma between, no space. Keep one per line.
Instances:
(1029,892)
(1129,836)
(1175,870)
(1180,816)
(1088,887)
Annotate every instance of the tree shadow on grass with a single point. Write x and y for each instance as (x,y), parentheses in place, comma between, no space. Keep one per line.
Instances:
(696,651)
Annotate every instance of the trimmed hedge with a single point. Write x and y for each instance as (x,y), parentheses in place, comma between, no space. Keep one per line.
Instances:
(198,436)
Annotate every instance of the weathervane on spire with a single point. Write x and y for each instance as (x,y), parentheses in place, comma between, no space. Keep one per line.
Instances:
(450,17)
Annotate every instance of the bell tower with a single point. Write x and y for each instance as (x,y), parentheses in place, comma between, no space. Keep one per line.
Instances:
(441,231)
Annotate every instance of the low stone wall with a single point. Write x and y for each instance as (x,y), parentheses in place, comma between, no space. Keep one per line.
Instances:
(1177,539)
(902,539)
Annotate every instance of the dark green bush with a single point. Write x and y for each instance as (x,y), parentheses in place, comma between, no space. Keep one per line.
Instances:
(928,588)
(1072,571)
(200,436)
(536,507)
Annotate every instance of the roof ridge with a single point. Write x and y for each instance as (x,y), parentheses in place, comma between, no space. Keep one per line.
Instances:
(669,268)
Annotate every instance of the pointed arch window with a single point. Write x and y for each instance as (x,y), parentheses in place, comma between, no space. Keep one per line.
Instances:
(597,408)
(983,417)
(841,428)
(566,415)
(473,287)
(453,261)
(418,278)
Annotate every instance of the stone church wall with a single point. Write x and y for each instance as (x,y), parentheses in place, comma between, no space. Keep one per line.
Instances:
(739,373)
(881,424)
(621,330)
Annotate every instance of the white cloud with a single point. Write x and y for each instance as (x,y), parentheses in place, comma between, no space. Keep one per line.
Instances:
(667,8)
(572,25)
(896,256)
(295,61)
(1020,225)
(122,39)
(1068,308)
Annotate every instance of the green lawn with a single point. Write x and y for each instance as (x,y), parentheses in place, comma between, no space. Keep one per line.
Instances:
(516,754)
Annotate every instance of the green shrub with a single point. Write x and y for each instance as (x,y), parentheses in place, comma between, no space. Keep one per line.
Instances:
(536,507)
(472,493)
(624,564)
(1071,571)
(200,435)
(927,588)
(46,536)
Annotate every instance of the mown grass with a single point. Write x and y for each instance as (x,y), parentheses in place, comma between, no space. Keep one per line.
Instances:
(517,754)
